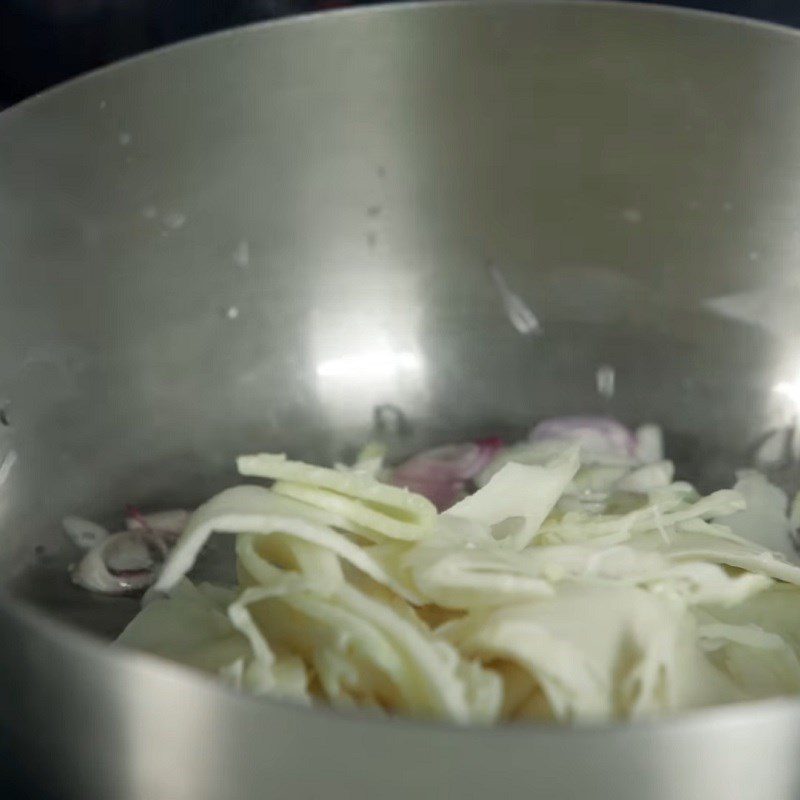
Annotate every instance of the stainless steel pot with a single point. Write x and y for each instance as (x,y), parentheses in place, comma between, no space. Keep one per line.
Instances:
(279,237)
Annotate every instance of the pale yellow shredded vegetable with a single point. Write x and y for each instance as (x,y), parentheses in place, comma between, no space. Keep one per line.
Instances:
(521,601)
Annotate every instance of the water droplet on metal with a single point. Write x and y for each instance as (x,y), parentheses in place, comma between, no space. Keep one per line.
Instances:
(7,465)
(519,313)
(632,215)
(389,419)
(774,450)
(175,220)
(241,255)
(606,377)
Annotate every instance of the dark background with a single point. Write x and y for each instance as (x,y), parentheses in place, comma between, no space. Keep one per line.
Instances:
(43,42)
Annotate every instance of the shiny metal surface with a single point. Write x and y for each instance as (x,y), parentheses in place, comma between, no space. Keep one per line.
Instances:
(277,237)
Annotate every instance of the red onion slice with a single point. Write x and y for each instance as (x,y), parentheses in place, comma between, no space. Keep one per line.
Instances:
(120,564)
(442,494)
(598,436)
(172,521)
(441,474)
(125,562)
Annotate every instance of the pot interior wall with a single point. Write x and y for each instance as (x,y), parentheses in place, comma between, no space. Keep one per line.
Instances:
(283,238)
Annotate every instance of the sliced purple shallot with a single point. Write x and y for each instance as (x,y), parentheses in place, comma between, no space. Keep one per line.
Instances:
(127,561)
(442,474)
(173,521)
(613,458)
(597,436)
